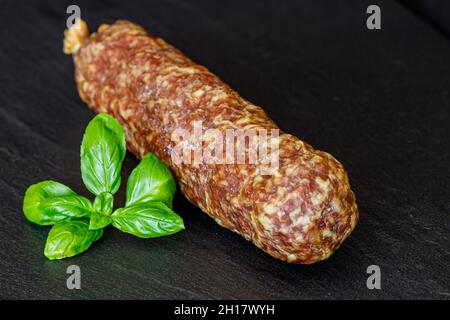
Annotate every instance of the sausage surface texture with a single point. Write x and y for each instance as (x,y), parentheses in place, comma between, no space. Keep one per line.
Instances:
(301,214)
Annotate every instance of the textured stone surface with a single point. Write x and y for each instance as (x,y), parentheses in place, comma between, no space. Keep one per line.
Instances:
(378,101)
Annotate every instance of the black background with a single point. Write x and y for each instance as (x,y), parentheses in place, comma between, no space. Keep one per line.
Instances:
(377,100)
(434,11)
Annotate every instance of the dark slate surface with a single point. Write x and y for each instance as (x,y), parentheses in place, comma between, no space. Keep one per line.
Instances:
(377,100)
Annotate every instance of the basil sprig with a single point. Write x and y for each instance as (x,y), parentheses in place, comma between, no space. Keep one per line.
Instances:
(77,222)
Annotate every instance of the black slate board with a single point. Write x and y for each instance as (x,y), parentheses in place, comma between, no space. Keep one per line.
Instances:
(377,100)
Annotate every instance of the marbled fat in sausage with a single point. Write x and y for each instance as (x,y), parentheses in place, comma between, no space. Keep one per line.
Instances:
(301,214)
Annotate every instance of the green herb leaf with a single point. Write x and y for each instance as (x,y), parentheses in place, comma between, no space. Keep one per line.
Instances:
(65,207)
(147,220)
(102,152)
(69,238)
(103,203)
(151,180)
(99,221)
(38,193)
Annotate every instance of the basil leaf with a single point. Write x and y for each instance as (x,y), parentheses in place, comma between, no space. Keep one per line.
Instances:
(147,220)
(69,238)
(151,180)
(103,203)
(65,207)
(102,152)
(39,192)
(98,221)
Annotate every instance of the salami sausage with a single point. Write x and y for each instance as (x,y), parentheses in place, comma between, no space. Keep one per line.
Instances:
(301,213)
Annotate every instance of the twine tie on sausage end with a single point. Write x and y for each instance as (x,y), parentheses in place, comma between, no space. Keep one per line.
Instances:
(103,26)
(75,36)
